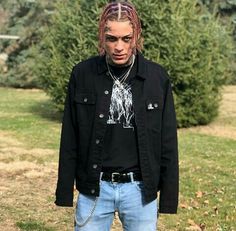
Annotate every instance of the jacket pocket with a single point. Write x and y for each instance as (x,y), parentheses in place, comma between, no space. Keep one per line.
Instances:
(85,98)
(154,107)
(85,104)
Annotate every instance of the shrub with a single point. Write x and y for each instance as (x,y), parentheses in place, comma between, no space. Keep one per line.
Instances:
(180,35)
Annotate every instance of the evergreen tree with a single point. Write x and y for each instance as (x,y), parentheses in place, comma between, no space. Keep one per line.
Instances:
(26,18)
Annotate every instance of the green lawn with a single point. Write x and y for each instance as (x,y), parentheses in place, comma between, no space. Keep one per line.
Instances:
(29,140)
(207,183)
(30,116)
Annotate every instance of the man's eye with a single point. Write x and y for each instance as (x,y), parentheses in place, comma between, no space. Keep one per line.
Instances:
(127,39)
(111,39)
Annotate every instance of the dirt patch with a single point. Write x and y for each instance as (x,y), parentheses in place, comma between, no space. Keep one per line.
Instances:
(13,152)
(216,130)
(228,103)
(6,140)
(27,188)
(24,185)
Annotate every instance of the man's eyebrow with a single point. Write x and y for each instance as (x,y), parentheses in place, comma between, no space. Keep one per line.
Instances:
(110,35)
(113,36)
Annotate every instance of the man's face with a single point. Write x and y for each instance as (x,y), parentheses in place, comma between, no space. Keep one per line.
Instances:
(119,42)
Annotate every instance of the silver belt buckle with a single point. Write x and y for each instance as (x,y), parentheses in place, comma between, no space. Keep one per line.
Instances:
(113,175)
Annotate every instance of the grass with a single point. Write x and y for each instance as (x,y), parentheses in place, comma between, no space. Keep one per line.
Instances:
(32,225)
(30,116)
(29,141)
(207,183)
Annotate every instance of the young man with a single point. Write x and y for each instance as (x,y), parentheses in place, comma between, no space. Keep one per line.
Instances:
(118,140)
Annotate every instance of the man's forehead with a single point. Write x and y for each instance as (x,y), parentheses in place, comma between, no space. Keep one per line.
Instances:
(118,27)
(114,23)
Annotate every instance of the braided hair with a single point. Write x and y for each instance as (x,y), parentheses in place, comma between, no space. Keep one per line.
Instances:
(120,11)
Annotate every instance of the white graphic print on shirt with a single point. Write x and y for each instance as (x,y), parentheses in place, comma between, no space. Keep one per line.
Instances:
(121,109)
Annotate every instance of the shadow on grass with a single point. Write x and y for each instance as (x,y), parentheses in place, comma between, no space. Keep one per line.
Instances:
(46,110)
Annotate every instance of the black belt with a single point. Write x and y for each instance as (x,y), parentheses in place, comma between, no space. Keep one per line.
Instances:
(121,177)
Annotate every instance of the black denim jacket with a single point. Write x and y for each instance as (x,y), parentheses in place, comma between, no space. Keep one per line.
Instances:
(84,124)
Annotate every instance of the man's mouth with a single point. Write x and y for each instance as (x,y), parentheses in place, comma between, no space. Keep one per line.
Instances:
(118,56)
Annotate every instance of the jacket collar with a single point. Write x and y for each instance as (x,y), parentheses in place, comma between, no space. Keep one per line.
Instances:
(141,67)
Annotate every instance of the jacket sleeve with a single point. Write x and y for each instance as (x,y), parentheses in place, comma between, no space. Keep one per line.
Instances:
(68,150)
(169,179)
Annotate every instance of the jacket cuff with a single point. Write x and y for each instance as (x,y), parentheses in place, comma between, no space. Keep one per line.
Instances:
(168,209)
(64,202)
(64,199)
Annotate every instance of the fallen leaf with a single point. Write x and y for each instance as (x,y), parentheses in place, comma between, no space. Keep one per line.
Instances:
(191,222)
(199,194)
(219,191)
(202,226)
(206,213)
(183,206)
(206,202)
(194,228)
(216,210)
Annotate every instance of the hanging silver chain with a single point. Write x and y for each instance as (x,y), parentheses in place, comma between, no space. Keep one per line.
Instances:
(121,81)
(89,217)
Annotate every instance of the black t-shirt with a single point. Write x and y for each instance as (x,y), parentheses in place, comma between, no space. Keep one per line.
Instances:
(120,150)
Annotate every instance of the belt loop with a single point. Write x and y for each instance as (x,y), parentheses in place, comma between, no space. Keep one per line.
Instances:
(101,173)
(131,174)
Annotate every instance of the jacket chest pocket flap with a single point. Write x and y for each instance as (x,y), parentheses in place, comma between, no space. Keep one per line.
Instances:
(85,108)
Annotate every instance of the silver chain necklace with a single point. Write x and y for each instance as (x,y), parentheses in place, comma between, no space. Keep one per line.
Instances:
(117,81)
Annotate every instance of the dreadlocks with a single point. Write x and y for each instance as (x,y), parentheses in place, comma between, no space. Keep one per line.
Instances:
(120,11)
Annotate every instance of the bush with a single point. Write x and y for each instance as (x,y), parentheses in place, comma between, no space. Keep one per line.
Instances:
(180,35)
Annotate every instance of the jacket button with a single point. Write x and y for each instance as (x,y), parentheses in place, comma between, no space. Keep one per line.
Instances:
(97,141)
(85,100)
(101,116)
(95,166)
(106,92)
(92,191)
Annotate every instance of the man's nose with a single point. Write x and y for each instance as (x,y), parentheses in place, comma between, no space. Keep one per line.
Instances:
(119,45)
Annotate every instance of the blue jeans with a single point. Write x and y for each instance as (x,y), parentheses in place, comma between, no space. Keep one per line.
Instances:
(97,214)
